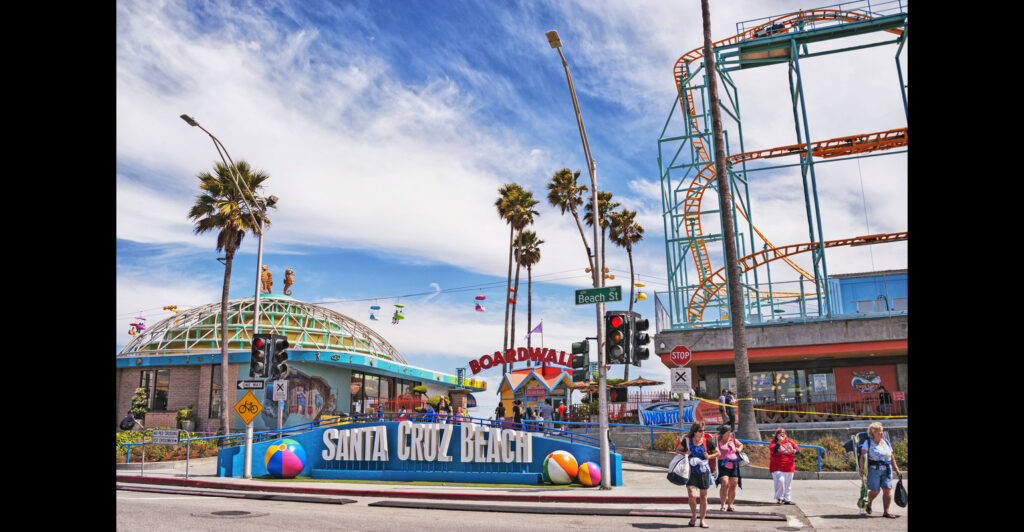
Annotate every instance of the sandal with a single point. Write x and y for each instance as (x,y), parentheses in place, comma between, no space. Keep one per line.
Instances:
(693,521)
(705,525)
(889,515)
(731,509)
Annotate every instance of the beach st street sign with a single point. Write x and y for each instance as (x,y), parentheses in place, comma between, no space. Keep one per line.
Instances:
(598,295)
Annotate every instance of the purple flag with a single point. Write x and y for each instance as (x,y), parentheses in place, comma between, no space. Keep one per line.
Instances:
(539,328)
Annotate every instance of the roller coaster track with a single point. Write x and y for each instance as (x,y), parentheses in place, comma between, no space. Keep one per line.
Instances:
(707,174)
(716,281)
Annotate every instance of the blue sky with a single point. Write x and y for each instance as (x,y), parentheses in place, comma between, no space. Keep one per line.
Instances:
(387,128)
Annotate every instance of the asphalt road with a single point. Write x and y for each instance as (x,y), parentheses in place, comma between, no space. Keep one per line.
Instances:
(175,513)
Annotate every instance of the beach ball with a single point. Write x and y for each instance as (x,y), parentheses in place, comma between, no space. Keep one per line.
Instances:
(285,458)
(560,467)
(590,474)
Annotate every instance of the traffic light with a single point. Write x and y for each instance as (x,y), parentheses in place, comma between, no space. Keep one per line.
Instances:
(278,356)
(618,394)
(258,358)
(616,326)
(581,361)
(639,338)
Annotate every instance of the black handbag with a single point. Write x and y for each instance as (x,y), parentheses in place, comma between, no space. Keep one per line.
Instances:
(901,494)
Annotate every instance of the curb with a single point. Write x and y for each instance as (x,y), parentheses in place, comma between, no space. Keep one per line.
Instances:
(497,497)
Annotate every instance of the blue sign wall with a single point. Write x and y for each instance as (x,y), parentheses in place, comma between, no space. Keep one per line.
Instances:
(230,460)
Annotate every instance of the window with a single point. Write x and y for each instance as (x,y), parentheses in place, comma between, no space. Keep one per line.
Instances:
(821,387)
(156,382)
(899,304)
(356,406)
(726,383)
(215,394)
(775,387)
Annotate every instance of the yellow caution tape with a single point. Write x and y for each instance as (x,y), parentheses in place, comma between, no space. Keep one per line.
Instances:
(797,411)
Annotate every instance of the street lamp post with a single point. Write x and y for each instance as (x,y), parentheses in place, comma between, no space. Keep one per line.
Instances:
(263,203)
(598,271)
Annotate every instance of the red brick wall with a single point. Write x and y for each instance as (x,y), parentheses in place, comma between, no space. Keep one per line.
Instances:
(189,385)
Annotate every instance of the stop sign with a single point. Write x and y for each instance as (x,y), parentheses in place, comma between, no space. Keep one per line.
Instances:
(680,355)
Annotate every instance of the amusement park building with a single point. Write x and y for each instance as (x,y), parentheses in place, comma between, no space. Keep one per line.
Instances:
(841,359)
(335,365)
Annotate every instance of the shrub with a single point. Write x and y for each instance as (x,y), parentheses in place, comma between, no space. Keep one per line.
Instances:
(900,450)
(126,436)
(140,403)
(666,441)
(186,414)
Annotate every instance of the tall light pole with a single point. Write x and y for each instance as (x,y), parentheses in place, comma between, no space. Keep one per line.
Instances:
(598,271)
(263,203)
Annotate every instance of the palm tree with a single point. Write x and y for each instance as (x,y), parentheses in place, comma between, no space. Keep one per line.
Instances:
(624,232)
(222,207)
(522,215)
(508,198)
(528,254)
(567,195)
(606,208)
(747,424)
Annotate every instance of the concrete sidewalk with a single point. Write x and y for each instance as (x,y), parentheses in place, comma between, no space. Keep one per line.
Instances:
(818,504)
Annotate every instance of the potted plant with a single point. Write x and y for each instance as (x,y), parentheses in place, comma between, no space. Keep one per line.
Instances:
(187,418)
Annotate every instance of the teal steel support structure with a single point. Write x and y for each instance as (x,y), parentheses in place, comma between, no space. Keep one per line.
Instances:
(681,163)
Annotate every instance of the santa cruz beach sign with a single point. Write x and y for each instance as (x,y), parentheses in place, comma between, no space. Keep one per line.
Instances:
(407,451)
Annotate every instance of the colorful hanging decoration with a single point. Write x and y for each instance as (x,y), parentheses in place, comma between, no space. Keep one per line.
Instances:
(137,326)
(174,309)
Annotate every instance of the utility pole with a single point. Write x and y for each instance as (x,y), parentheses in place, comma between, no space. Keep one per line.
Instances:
(747,424)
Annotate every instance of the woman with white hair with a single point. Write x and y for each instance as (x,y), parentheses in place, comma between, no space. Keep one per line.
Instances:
(881,463)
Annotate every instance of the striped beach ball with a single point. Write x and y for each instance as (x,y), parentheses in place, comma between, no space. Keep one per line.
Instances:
(560,467)
(285,458)
(590,474)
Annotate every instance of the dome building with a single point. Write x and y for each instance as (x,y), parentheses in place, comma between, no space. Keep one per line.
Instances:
(336,365)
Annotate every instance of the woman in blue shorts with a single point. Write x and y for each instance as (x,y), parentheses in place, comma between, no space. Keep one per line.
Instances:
(700,451)
(881,464)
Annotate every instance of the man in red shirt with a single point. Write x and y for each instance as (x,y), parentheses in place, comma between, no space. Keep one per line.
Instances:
(561,414)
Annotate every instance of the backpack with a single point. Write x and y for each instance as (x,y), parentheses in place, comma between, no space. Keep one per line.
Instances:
(127,423)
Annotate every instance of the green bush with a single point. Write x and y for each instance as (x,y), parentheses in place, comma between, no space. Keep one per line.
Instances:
(139,403)
(900,450)
(126,436)
(666,441)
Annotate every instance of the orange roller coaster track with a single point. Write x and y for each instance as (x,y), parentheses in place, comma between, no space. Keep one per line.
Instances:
(716,281)
(824,149)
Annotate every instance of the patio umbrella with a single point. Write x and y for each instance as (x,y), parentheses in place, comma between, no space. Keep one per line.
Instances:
(640,382)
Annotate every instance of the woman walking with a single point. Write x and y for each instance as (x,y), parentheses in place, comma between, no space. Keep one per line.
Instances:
(782,464)
(728,467)
(700,451)
(881,463)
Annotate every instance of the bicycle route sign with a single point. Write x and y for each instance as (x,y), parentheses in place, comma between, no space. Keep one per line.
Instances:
(248,407)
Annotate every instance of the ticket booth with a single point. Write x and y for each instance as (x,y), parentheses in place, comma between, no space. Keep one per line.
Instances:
(533,385)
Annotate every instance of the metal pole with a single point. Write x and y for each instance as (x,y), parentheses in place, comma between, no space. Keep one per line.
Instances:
(188,452)
(598,283)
